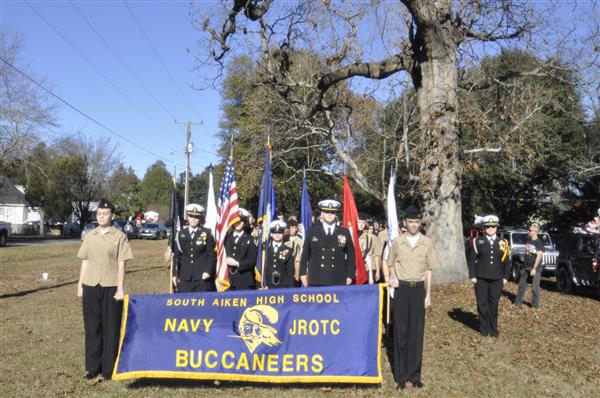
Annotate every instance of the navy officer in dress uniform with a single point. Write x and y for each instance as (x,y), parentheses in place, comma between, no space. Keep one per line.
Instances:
(241,255)
(328,252)
(195,258)
(279,263)
(488,270)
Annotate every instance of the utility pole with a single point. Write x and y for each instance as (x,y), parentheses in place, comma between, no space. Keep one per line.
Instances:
(189,148)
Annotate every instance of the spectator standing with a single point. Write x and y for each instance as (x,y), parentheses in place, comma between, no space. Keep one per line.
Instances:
(534,252)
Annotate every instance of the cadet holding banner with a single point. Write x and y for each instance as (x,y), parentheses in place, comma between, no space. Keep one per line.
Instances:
(104,252)
(412,258)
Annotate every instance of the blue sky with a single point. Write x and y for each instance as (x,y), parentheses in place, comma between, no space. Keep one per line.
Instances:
(167,26)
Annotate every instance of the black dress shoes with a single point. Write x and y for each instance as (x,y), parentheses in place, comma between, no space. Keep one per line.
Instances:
(401,386)
(418,384)
(90,376)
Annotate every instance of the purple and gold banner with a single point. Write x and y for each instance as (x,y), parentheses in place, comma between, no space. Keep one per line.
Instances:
(329,334)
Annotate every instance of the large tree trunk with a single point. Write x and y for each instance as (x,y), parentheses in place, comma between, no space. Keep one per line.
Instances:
(435,79)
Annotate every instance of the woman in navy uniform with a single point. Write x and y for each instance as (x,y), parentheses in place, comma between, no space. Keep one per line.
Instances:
(488,270)
(195,258)
(328,252)
(279,263)
(241,255)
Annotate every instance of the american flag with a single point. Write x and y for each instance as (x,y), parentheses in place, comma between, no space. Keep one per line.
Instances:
(228,213)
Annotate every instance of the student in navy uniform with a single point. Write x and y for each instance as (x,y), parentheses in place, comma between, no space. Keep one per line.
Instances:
(279,264)
(328,252)
(411,261)
(103,253)
(241,255)
(488,270)
(195,258)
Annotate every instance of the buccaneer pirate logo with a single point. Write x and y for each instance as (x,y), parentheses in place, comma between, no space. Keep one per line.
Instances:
(254,330)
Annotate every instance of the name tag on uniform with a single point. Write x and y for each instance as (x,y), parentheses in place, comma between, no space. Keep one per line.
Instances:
(315,239)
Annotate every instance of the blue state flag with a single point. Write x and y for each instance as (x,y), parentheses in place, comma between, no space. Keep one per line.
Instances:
(266,213)
(305,209)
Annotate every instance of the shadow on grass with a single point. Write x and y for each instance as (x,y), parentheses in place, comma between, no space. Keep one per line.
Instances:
(174,383)
(510,295)
(40,289)
(550,286)
(468,319)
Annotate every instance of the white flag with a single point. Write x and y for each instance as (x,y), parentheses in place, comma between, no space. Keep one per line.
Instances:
(392,219)
(392,216)
(211,207)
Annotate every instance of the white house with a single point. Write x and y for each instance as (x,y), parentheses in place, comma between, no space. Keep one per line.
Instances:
(14,208)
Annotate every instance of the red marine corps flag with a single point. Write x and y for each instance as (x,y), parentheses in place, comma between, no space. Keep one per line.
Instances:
(350,221)
(228,213)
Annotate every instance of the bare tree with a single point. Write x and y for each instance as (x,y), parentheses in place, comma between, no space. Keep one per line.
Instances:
(427,39)
(25,111)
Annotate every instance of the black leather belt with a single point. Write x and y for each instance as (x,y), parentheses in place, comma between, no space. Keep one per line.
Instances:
(410,284)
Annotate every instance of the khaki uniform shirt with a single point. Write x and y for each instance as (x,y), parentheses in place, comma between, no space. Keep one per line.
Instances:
(410,263)
(295,243)
(103,253)
(383,237)
(370,247)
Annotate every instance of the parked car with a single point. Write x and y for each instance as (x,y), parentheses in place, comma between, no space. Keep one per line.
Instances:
(153,231)
(578,262)
(4,232)
(70,229)
(129,229)
(517,240)
(91,225)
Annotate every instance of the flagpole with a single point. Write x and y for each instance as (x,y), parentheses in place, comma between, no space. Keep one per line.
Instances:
(172,237)
(265,234)
(387,307)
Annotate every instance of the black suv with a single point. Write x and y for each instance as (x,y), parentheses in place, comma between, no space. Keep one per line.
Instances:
(578,262)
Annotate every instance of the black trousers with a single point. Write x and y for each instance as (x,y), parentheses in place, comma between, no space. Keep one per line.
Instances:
(487,294)
(102,325)
(200,285)
(408,318)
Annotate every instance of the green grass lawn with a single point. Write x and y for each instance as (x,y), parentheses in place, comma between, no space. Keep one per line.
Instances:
(553,351)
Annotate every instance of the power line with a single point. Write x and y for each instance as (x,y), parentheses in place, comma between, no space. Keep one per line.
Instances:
(529,200)
(121,60)
(96,69)
(160,58)
(85,114)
